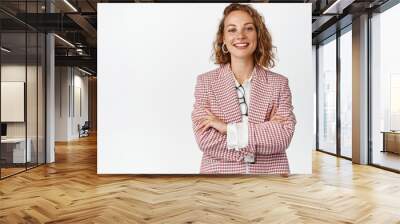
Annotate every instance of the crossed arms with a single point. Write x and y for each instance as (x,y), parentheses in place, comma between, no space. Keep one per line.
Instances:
(269,137)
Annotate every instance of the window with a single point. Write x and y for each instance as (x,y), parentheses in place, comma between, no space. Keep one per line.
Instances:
(385,89)
(346,75)
(327,96)
(22,77)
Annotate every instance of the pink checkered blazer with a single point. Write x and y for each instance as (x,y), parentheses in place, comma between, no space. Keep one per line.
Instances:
(268,140)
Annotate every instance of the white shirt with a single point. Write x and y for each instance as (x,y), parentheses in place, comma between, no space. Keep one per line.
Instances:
(237,133)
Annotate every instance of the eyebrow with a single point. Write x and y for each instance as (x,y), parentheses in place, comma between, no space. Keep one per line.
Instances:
(235,25)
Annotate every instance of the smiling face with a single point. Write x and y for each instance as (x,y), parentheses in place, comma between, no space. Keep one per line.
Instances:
(240,35)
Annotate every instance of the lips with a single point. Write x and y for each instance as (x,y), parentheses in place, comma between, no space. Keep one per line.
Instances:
(241,45)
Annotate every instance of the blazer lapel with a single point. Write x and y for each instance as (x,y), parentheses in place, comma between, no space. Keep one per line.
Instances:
(226,96)
(261,93)
(260,96)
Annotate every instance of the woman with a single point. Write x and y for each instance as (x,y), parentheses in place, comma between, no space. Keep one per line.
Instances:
(243,115)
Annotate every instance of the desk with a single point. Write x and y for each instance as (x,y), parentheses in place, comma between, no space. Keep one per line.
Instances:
(391,141)
(16,151)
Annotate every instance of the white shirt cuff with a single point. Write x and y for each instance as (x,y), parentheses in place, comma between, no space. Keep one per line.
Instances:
(231,136)
(237,135)
(243,134)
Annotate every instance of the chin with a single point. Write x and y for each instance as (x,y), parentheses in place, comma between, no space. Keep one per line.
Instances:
(242,55)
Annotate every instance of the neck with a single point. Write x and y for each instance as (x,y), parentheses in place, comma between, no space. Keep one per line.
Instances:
(242,68)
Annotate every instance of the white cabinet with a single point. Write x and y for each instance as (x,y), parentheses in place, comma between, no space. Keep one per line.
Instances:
(18,149)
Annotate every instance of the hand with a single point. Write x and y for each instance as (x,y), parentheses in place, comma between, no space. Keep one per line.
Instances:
(276,118)
(211,121)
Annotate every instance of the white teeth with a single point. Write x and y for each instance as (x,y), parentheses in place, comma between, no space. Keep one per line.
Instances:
(241,45)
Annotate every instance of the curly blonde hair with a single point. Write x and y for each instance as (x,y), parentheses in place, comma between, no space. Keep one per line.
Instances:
(263,54)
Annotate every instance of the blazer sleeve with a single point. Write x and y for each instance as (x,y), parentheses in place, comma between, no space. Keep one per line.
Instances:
(210,142)
(272,137)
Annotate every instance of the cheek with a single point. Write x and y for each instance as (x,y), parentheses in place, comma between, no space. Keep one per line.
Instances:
(254,39)
(255,44)
(228,41)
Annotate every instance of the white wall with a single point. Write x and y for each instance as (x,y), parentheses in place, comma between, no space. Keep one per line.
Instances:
(148,58)
(80,84)
(61,103)
(68,81)
(17,73)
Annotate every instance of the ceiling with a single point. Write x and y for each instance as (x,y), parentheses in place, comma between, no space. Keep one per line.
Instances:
(76,22)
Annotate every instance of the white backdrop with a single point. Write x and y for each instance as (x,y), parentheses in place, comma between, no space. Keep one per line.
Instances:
(149,56)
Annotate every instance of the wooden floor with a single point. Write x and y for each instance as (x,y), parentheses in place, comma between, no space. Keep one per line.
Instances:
(5,172)
(70,191)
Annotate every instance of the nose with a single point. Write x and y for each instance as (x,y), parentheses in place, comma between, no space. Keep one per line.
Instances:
(240,34)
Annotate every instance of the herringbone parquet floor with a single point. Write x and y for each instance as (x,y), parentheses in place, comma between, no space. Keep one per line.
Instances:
(70,191)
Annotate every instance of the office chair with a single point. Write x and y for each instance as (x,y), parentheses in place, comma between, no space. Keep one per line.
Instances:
(84,130)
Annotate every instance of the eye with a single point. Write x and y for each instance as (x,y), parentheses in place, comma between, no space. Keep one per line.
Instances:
(249,28)
(231,30)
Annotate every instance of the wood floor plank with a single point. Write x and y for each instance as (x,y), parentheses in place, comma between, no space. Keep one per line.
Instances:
(70,191)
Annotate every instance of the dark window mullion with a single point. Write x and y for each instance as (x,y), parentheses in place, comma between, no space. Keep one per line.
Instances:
(317,95)
(26,86)
(37,89)
(338,73)
(369,90)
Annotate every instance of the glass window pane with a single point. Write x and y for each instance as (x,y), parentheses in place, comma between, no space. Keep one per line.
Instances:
(22,88)
(386,89)
(41,98)
(13,88)
(32,95)
(346,94)
(327,96)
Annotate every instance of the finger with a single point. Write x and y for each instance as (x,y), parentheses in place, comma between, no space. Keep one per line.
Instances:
(210,116)
(205,118)
(220,127)
(282,118)
(272,114)
(207,126)
(276,117)
(273,110)
(202,124)
(279,119)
